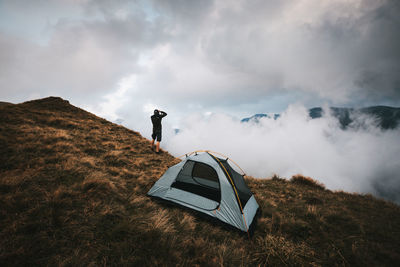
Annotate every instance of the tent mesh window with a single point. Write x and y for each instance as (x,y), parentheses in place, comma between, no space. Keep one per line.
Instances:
(200,179)
(238,180)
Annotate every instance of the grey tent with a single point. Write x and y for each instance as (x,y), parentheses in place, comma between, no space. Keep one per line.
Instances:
(208,184)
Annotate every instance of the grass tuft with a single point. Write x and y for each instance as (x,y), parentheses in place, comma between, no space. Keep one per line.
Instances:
(272,250)
(161,221)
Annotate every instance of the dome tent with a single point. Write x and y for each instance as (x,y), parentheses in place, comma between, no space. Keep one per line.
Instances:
(208,184)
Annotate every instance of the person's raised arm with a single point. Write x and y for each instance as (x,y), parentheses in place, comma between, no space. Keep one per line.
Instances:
(163,114)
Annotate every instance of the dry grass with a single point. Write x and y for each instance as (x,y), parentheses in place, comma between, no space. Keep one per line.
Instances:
(160,221)
(278,251)
(73,192)
(303,180)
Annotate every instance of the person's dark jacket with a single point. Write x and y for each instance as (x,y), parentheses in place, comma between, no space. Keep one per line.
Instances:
(156,120)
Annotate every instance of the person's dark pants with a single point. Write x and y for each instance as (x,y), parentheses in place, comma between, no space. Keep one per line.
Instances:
(156,136)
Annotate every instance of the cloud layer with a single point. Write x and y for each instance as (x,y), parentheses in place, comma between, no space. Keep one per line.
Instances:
(357,159)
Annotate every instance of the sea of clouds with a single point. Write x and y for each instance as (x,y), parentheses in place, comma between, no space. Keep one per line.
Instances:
(362,158)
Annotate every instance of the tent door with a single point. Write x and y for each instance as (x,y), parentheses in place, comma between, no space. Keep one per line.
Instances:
(188,198)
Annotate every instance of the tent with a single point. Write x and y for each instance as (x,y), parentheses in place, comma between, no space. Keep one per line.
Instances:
(210,185)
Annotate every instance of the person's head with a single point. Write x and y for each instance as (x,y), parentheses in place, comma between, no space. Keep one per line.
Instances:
(156,112)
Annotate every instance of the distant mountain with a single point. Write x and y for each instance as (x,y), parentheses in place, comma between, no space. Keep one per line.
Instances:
(389,116)
(257,117)
(386,117)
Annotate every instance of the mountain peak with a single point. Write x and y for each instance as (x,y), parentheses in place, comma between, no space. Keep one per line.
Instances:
(52,102)
(48,100)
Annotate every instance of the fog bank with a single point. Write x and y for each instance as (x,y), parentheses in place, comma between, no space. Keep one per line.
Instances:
(362,158)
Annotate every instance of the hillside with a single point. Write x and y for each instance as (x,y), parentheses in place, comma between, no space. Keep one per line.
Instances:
(73,192)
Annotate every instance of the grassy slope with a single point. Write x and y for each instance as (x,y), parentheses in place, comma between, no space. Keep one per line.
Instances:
(73,192)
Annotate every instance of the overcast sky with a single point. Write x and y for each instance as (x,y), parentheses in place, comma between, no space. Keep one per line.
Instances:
(123,58)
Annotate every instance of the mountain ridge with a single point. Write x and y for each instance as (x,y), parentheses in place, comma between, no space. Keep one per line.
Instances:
(386,117)
(73,192)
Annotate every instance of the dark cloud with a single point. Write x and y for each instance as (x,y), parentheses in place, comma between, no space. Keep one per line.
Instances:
(378,78)
(183,13)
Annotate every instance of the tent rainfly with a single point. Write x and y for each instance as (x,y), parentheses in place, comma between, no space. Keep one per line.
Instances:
(208,184)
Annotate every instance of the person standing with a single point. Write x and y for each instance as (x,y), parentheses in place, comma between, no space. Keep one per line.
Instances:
(156,120)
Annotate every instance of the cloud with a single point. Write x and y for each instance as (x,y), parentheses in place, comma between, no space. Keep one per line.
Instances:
(212,55)
(82,58)
(359,159)
(312,46)
(236,56)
